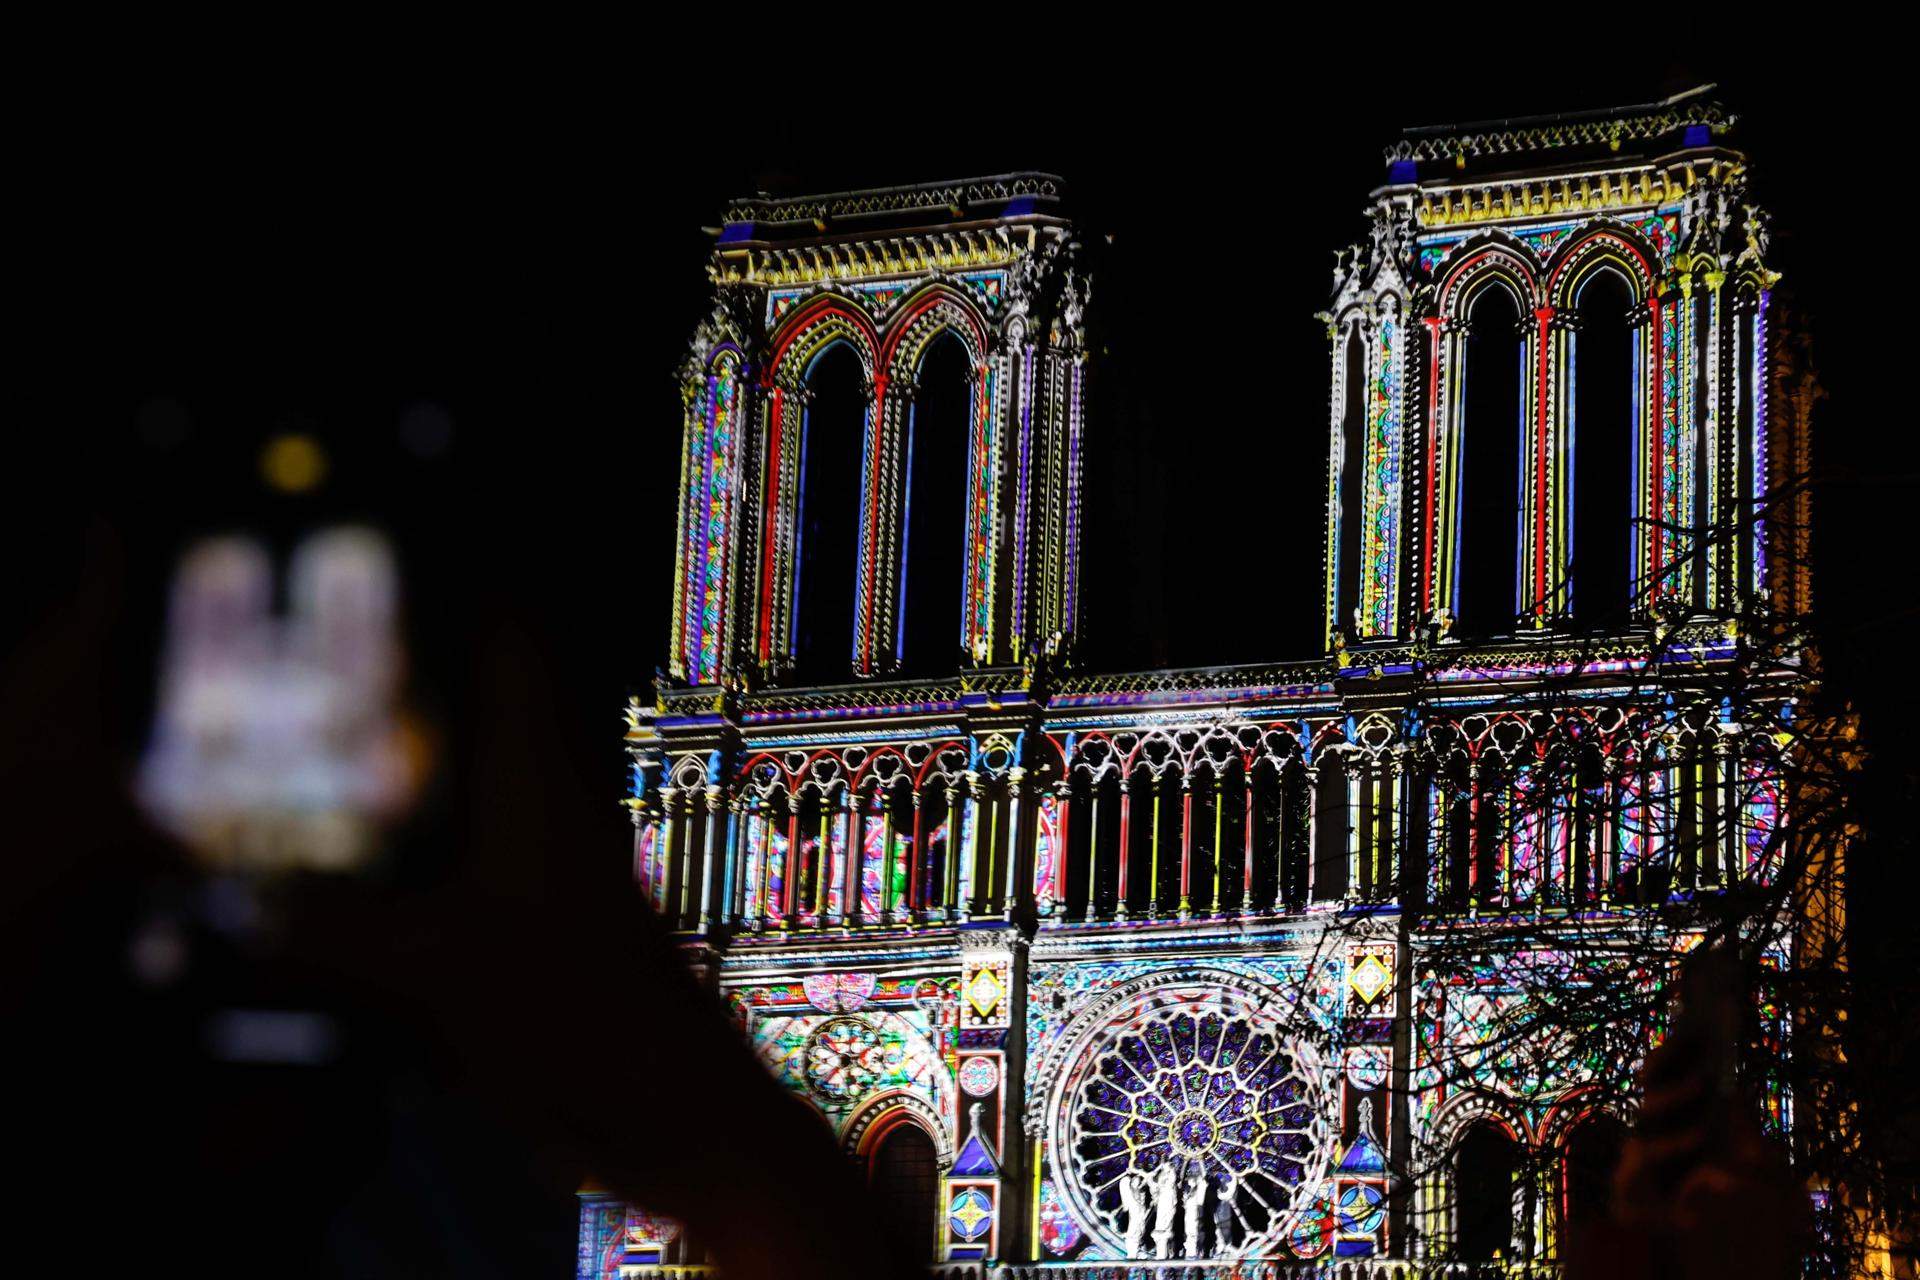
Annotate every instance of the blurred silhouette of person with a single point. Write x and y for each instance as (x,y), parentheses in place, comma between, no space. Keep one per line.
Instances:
(297,1070)
(1699,1189)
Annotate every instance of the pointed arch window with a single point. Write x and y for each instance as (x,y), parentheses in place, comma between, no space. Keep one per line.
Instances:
(934,524)
(1493,424)
(1604,379)
(1486,1172)
(1350,480)
(904,1172)
(827,533)
(1590,1154)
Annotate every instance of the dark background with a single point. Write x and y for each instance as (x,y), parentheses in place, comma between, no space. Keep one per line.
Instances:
(516,250)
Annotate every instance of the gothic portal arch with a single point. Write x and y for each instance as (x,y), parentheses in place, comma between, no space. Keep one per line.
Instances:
(884,1112)
(903,1169)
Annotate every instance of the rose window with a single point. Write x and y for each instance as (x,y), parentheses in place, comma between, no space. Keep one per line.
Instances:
(847,1057)
(1217,1093)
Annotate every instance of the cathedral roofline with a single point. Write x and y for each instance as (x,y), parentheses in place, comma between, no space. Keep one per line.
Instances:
(1691,119)
(1025,196)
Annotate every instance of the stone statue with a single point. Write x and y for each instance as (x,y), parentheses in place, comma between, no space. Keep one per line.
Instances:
(1223,1219)
(1758,235)
(1382,232)
(1133,1199)
(1194,1200)
(1165,1191)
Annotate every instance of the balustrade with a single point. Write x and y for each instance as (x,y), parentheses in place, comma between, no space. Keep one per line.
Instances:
(1533,827)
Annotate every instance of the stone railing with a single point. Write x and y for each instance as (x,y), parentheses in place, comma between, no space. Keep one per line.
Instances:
(1349,1269)
(1251,1269)
(706,1271)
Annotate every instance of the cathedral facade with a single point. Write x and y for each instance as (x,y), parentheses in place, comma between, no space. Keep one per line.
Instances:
(1242,965)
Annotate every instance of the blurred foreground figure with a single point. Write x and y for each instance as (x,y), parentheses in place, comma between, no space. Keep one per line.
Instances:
(1699,1190)
(245,1060)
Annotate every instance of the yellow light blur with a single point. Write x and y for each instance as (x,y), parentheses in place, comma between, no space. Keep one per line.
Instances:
(293,463)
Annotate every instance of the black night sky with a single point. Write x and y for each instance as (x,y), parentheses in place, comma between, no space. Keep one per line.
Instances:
(519,249)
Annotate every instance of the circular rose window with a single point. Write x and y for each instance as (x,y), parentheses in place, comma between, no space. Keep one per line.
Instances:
(1196,1128)
(846,1057)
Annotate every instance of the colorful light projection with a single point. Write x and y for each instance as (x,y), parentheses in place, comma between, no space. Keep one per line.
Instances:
(1019,321)
(1217,1037)
(710,480)
(1381,500)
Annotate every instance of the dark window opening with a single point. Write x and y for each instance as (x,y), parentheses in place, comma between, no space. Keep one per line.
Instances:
(1200,841)
(934,526)
(905,1175)
(1592,1152)
(1459,850)
(1485,1170)
(935,833)
(1171,828)
(1589,819)
(1489,837)
(828,552)
(1104,849)
(1334,823)
(1493,419)
(1074,894)
(1603,387)
(1745,503)
(1283,807)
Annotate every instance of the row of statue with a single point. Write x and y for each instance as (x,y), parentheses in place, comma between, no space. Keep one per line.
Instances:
(1153,1202)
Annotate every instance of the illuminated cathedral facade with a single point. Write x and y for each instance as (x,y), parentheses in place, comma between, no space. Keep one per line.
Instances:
(1088,967)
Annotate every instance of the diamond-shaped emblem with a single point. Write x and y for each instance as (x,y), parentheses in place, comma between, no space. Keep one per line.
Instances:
(970,1213)
(1369,978)
(984,992)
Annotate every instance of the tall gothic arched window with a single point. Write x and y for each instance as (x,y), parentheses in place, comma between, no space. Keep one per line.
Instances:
(1591,1150)
(904,1172)
(1486,1166)
(827,554)
(1352,485)
(934,524)
(1333,828)
(1104,825)
(1602,398)
(1490,452)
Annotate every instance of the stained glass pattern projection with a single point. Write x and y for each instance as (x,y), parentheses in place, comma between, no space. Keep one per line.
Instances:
(1211,1089)
(873,839)
(1379,534)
